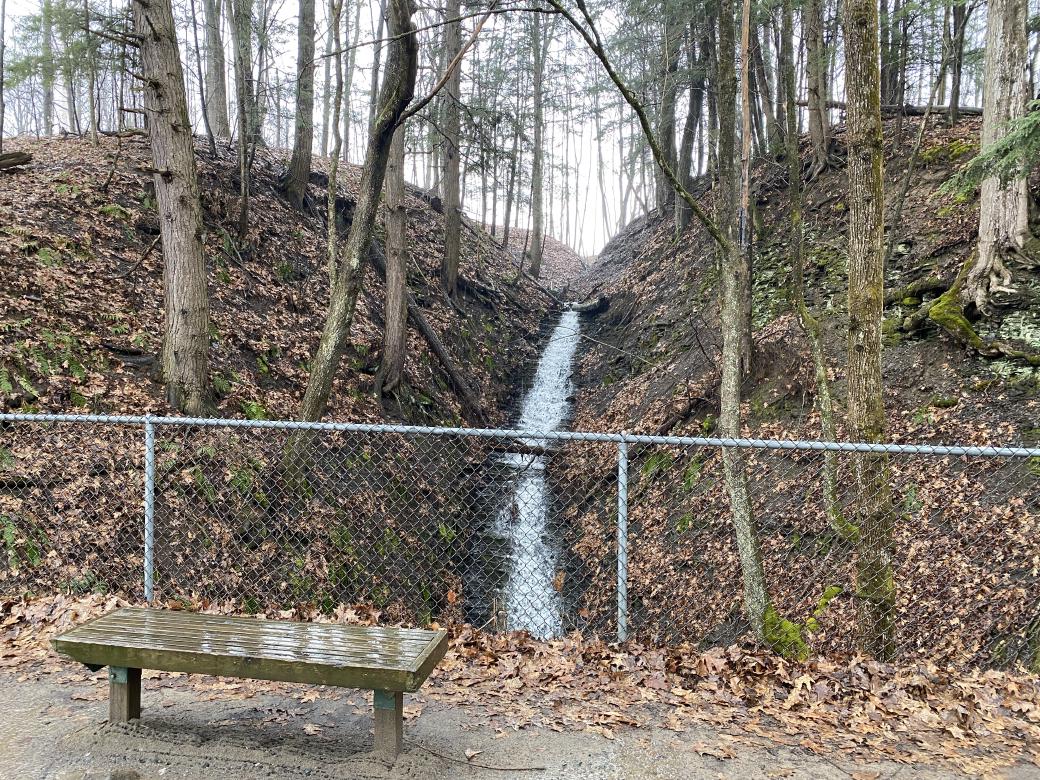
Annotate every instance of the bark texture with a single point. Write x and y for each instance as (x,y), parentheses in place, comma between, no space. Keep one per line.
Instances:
(185,354)
(303,139)
(452,196)
(874,516)
(756,598)
(810,325)
(395,335)
(816,85)
(216,68)
(1003,208)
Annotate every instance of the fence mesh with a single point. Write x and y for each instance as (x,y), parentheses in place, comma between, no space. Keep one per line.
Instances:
(521,531)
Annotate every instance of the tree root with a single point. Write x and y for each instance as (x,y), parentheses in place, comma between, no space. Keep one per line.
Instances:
(947,312)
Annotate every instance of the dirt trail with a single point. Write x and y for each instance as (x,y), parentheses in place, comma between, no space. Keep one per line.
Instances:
(206,729)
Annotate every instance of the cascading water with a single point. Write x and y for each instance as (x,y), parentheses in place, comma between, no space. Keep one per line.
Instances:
(532,602)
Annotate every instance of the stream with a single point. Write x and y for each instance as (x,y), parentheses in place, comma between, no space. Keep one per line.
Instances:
(529,598)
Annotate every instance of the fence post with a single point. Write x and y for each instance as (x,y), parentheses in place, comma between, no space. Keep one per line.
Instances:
(622,540)
(149,508)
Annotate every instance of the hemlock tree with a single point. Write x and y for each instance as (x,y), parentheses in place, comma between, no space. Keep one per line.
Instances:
(872,507)
(1004,206)
(185,351)
(300,165)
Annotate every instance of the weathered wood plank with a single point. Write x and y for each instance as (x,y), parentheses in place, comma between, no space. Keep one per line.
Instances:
(124,694)
(388,711)
(321,654)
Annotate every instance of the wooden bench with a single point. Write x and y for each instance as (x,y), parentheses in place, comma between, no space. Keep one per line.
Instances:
(388,661)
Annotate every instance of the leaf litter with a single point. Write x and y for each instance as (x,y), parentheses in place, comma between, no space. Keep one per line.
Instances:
(976,722)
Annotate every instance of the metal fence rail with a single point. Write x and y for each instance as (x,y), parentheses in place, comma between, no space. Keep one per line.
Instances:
(610,533)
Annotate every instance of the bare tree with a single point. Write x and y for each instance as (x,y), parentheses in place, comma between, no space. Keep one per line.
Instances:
(47,66)
(185,354)
(395,94)
(539,47)
(873,513)
(452,196)
(216,80)
(816,85)
(395,334)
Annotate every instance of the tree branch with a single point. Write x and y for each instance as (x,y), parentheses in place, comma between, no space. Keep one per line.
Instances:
(592,38)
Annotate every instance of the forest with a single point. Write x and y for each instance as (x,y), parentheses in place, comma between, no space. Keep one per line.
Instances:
(768,214)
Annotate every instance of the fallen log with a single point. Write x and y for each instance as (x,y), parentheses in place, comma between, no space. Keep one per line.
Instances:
(907,110)
(916,288)
(471,406)
(597,305)
(9,161)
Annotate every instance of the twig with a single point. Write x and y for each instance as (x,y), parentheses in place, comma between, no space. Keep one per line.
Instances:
(467,762)
(137,265)
(115,164)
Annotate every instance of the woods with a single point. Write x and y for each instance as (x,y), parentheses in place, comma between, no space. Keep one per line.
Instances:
(565,122)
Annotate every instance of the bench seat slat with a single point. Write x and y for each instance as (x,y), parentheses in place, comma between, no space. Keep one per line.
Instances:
(229,646)
(322,654)
(156,617)
(329,645)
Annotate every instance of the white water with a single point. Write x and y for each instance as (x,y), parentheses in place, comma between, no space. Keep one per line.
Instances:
(531,600)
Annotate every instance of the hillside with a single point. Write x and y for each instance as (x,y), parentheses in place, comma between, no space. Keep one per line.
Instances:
(81,294)
(966,528)
(662,337)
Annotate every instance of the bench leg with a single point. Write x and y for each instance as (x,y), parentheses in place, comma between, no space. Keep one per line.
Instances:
(124,694)
(389,717)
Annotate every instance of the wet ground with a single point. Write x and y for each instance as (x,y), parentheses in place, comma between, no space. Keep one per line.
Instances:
(209,729)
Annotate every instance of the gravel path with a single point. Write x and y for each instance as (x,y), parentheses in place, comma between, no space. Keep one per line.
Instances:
(206,729)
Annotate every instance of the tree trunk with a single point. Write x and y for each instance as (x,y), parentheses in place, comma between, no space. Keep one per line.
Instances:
(538,48)
(450,114)
(326,87)
(765,99)
(1003,208)
(377,57)
(816,85)
(3,51)
(514,153)
(731,266)
(669,88)
(91,75)
(960,13)
(47,66)
(241,34)
(203,103)
(216,80)
(331,218)
(874,515)
(303,140)
(185,353)
(395,335)
(394,96)
(698,67)
(810,325)
(538,52)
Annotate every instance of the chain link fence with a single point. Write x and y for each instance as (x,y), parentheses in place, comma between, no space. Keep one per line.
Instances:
(620,536)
